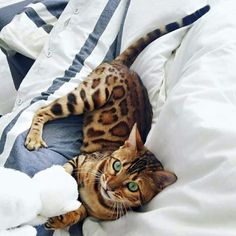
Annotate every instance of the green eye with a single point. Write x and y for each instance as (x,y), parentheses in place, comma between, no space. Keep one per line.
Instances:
(117,166)
(132,186)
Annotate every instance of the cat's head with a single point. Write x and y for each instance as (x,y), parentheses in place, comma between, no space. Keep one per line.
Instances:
(132,175)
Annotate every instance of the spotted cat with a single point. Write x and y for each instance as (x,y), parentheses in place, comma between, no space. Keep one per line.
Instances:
(112,99)
(113,182)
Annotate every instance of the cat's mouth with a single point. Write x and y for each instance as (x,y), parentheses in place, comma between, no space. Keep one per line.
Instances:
(105,193)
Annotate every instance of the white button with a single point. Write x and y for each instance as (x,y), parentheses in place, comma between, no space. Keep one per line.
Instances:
(49,53)
(66,23)
(76,11)
(19,101)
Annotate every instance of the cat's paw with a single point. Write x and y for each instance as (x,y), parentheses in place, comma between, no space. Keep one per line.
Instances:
(68,219)
(54,223)
(60,222)
(34,142)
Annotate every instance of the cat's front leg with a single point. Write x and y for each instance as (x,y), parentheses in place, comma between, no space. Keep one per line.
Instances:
(60,108)
(63,221)
(34,138)
(91,94)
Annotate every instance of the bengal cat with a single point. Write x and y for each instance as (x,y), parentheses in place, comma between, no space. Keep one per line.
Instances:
(112,182)
(115,172)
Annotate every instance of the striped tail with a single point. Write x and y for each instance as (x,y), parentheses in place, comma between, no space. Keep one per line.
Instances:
(130,54)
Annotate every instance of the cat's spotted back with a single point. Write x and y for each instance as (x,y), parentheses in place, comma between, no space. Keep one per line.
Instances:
(127,102)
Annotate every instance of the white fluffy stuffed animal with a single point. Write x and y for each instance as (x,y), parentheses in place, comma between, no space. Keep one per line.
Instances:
(26,201)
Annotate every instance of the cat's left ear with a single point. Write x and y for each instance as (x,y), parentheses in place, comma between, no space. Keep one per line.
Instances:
(134,139)
(164,178)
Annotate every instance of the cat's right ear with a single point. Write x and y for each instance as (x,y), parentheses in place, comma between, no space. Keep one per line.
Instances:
(164,178)
(134,139)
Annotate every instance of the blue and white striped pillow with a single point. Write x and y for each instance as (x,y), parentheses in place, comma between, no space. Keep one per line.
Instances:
(24,28)
(29,29)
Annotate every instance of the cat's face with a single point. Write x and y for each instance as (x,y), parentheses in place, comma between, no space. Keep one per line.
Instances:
(132,175)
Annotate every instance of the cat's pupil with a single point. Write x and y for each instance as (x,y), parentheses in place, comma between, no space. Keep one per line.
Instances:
(117,166)
(132,186)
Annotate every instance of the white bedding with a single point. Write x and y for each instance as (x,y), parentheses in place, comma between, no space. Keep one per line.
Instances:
(194,136)
(8,91)
(193,93)
(27,32)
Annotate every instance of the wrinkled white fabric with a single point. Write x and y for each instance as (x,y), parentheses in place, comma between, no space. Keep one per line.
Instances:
(194,136)
(193,132)
(8,91)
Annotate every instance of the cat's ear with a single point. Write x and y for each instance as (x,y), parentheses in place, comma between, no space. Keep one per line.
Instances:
(134,139)
(164,178)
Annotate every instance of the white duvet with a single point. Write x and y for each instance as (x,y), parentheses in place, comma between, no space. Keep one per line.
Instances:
(194,135)
(193,93)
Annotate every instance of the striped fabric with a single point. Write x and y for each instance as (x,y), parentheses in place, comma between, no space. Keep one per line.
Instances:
(29,29)
(8,94)
(68,77)
(67,57)
(8,66)
(45,13)
(25,26)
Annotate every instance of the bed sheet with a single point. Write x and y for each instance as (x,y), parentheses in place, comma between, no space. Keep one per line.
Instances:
(193,130)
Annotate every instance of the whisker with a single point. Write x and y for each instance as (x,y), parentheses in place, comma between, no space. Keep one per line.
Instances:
(121,210)
(118,210)
(130,208)
(124,207)
(114,208)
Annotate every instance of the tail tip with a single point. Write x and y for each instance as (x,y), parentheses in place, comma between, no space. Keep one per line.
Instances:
(204,10)
(188,20)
